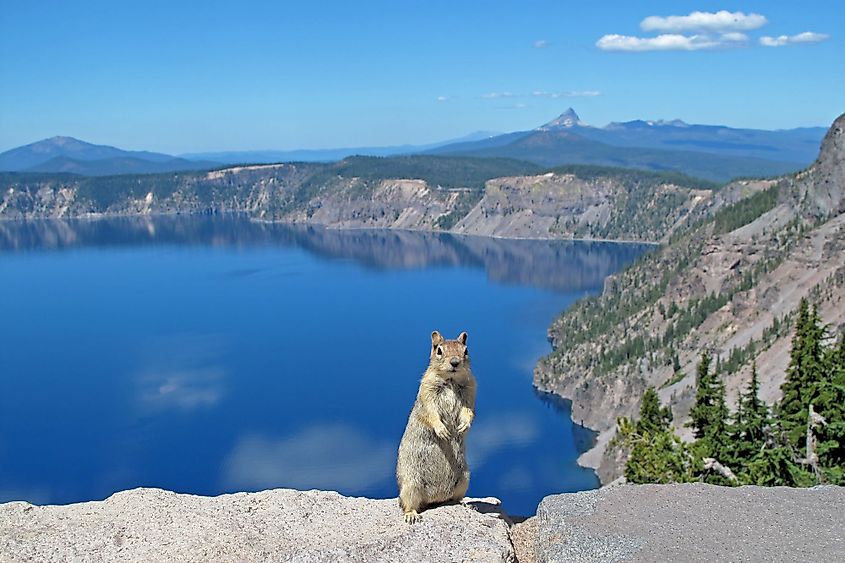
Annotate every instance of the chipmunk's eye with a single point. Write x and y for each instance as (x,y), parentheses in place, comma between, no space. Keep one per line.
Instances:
(439,351)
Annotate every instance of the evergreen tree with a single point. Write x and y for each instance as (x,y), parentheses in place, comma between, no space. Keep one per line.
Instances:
(660,459)
(828,399)
(709,416)
(775,467)
(805,372)
(653,418)
(752,429)
(657,454)
(700,413)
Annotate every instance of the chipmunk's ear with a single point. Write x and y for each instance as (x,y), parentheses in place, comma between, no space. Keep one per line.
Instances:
(436,339)
(462,338)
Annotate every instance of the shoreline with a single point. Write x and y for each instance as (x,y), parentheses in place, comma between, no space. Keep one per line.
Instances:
(100,216)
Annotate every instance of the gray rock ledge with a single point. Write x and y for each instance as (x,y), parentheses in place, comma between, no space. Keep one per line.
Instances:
(277,525)
(692,523)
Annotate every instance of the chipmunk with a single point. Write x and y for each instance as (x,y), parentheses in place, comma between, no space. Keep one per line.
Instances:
(432,466)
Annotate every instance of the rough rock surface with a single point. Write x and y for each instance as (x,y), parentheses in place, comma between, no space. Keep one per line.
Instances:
(276,525)
(692,523)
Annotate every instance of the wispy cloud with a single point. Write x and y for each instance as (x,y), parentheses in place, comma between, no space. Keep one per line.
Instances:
(783,40)
(497,95)
(566,94)
(722,21)
(541,44)
(670,42)
(442,99)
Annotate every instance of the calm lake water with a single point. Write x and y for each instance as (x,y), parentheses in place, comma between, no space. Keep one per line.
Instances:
(214,354)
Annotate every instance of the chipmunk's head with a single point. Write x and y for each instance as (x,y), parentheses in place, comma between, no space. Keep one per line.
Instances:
(449,356)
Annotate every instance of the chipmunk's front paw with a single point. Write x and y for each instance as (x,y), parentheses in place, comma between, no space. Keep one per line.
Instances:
(412,517)
(442,432)
(464,420)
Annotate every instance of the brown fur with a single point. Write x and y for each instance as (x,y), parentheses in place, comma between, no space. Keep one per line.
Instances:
(431,467)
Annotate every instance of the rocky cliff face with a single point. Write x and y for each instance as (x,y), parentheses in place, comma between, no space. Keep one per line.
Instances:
(564,205)
(729,285)
(607,205)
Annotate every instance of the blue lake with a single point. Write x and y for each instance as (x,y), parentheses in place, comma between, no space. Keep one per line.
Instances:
(214,354)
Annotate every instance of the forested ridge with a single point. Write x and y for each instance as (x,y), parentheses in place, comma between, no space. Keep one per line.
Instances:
(798,442)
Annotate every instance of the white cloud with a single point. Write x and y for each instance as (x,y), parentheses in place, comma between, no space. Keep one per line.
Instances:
(566,94)
(783,40)
(442,99)
(541,44)
(665,42)
(496,95)
(700,31)
(714,22)
(734,36)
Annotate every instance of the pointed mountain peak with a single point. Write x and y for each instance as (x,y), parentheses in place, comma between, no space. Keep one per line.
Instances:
(564,121)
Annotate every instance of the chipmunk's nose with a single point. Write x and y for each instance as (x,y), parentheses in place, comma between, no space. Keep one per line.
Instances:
(455,361)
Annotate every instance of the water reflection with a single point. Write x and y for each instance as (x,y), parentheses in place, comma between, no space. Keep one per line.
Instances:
(322,456)
(556,265)
(182,372)
(584,438)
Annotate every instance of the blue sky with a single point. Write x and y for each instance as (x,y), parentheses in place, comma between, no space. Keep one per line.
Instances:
(180,77)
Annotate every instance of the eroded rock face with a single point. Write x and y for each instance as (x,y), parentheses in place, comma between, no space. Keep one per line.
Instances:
(277,525)
(693,522)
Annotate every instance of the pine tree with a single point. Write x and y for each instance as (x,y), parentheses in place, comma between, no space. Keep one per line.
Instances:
(709,416)
(700,413)
(751,428)
(653,418)
(657,454)
(661,459)
(828,399)
(805,371)
(756,417)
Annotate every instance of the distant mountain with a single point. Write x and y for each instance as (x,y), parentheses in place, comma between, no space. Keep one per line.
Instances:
(790,145)
(708,151)
(119,165)
(566,120)
(327,155)
(66,154)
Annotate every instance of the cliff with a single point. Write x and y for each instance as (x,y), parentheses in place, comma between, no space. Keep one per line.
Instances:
(576,202)
(728,283)
(624,523)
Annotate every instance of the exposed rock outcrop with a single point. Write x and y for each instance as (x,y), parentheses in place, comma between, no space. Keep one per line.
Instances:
(692,523)
(278,525)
